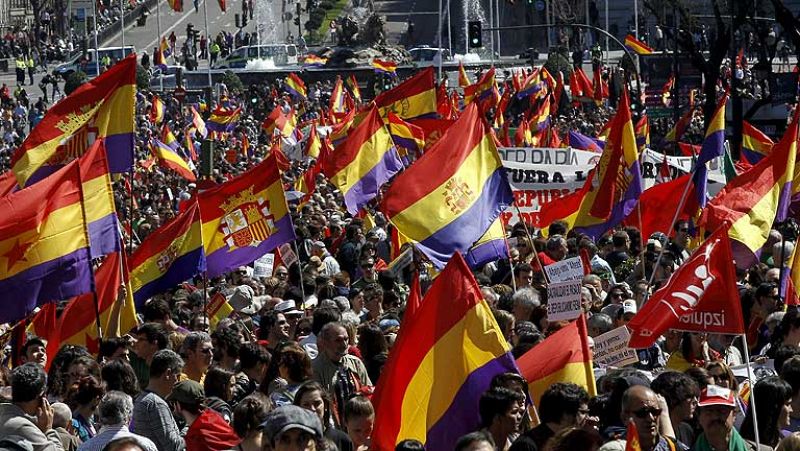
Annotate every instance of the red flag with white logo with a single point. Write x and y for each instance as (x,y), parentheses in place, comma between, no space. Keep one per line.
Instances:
(701,296)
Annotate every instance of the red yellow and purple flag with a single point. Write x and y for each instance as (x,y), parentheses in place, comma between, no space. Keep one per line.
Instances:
(244,218)
(420,398)
(102,107)
(363,162)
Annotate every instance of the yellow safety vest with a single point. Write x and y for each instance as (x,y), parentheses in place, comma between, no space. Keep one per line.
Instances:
(20,64)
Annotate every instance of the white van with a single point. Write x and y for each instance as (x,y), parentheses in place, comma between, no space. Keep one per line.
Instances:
(280,54)
(90,69)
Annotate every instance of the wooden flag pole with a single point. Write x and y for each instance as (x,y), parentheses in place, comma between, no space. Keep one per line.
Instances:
(533,247)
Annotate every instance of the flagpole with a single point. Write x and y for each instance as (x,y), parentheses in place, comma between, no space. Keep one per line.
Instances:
(439,34)
(205,293)
(300,268)
(122,24)
(208,38)
(91,268)
(752,404)
(158,45)
(96,47)
(671,226)
(533,247)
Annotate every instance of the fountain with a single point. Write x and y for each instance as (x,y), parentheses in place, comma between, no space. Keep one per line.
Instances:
(269,26)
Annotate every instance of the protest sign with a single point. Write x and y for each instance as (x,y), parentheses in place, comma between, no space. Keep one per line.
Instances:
(263,266)
(611,348)
(564,300)
(535,184)
(288,257)
(565,270)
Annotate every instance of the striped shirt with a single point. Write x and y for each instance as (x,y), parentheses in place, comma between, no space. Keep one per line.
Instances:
(153,419)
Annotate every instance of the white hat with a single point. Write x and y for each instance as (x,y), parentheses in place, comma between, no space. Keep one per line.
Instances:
(287,307)
(629,306)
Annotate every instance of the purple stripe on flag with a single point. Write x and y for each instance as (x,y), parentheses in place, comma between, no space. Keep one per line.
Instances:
(368,187)
(621,209)
(61,278)
(293,92)
(119,150)
(104,235)
(407,143)
(226,259)
(465,230)
(529,91)
(713,147)
(784,199)
(753,156)
(219,127)
(462,416)
(182,269)
(486,252)
(583,142)
(743,256)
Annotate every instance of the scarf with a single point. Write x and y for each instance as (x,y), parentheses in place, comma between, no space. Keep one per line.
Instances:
(737,443)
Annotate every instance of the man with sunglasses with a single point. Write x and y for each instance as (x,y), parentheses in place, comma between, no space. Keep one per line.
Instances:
(650,414)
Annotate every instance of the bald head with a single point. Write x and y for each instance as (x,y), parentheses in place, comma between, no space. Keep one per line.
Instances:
(635,395)
(62,415)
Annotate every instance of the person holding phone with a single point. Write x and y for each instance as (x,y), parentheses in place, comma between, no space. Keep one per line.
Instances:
(29,414)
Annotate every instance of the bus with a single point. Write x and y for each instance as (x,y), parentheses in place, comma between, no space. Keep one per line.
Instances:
(280,54)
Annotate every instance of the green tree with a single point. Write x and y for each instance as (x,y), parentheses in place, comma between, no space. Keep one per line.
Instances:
(142,78)
(233,82)
(74,80)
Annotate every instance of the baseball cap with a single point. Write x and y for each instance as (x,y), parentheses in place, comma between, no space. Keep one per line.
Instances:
(187,392)
(286,418)
(287,307)
(714,395)
(318,244)
(629,306)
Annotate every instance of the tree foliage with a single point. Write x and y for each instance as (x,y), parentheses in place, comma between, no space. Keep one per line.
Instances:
(74,80)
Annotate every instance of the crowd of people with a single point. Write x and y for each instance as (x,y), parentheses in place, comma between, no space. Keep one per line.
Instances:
(295,365)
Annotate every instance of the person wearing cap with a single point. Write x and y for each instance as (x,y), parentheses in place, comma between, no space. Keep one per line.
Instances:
(293,428)
(626,313)
(716,413)
(207,429)
(292,314)
(330,266)
(152,416)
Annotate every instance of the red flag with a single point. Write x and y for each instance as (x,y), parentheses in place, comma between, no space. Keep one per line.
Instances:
(658,204)
(663,172)
(632,442)
(700,296)
(414,300)
(563,206)
(222,5)
(689,150)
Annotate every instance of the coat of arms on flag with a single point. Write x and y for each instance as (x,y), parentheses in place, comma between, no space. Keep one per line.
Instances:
(247,221)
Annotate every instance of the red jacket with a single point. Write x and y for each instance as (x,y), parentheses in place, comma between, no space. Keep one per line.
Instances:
(210,432)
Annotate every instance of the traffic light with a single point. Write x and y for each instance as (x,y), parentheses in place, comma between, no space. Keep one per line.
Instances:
(475,34)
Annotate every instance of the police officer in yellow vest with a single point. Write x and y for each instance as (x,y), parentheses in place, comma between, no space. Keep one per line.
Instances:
(31,65)
(20,64)
(106,61)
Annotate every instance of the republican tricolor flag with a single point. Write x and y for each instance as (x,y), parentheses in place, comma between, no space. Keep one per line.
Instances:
(445,358)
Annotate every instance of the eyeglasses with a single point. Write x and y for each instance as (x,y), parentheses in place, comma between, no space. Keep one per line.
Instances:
(616,294)
(686,230)
(207,351)
(645,412)
(281,274)
(367,266)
